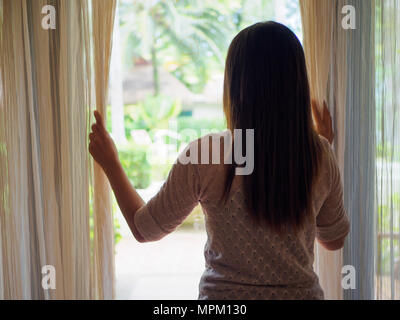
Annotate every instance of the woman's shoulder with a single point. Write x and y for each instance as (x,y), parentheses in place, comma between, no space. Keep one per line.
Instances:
(222,135)
(207,156)
(210,148)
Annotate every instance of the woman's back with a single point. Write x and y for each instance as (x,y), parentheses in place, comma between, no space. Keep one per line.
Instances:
(245,260)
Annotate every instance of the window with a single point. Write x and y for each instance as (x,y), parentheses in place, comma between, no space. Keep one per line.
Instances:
(172,54)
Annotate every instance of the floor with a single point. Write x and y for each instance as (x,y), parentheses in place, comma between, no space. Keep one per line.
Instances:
(167,269)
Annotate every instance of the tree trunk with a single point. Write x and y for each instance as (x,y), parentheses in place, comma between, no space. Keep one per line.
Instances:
(156,78)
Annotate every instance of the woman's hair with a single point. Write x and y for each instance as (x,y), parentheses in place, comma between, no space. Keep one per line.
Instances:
(266,89)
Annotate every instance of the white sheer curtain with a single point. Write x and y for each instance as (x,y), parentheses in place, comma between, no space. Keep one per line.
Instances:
(387,196)
(360,150)
(372,171)
(358,72)
(46,95)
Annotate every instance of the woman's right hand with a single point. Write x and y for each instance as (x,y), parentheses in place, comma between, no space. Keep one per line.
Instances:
(322,120)
(101,146)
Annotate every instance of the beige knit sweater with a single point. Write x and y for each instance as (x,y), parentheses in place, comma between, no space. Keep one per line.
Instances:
(244,260)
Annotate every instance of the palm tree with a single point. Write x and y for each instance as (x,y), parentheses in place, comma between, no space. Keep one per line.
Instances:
(188,37)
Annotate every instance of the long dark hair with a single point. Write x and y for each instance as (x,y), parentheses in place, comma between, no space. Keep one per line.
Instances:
(266,89)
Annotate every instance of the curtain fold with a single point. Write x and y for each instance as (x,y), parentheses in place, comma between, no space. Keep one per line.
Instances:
(103,24)
(325,49)
(45,99)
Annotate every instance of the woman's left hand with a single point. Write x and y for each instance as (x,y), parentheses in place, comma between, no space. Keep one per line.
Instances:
(101,146)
